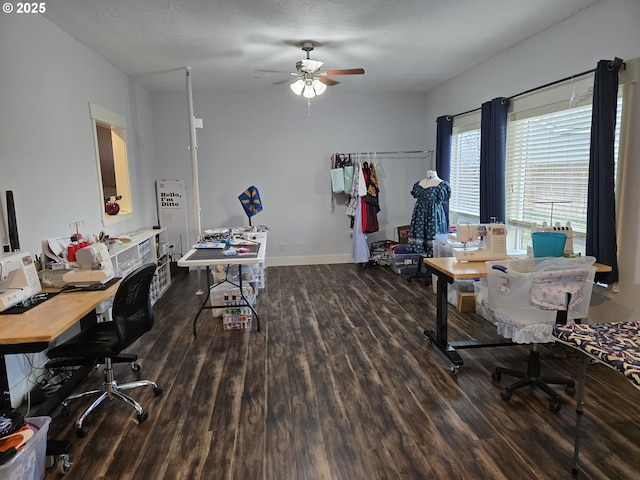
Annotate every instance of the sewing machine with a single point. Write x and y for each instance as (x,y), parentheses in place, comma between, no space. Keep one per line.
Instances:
(94,266)
(18,279)
(568,246)
(490,242)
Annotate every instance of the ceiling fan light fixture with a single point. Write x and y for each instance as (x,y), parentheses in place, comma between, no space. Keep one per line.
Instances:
(319,87)
(297,86)
(308,91)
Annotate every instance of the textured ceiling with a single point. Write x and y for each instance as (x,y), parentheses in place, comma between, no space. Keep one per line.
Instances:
(248,45)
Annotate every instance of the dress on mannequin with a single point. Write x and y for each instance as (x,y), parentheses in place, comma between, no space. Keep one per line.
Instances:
(429,217)
(430,180)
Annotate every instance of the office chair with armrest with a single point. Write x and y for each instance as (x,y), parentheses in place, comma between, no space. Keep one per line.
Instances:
(104,342)
(555,292)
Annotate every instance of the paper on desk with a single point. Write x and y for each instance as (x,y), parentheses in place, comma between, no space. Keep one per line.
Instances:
(55,248)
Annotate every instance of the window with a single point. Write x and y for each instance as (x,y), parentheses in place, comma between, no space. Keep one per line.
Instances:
(547,161)
(464,205)
(109,132)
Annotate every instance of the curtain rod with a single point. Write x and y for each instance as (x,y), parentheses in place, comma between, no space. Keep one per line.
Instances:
(551,84)
(572,77)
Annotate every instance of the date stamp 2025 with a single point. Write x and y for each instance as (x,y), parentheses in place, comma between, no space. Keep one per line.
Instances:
(24,7)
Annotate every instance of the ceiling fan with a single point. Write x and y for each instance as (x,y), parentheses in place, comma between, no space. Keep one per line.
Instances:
(311,80)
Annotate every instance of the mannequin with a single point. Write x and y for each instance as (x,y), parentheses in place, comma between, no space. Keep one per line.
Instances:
(429,214)
(431,180)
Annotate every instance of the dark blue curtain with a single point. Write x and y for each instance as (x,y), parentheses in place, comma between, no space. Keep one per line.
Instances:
(444,128)
(493,143)
(601,204)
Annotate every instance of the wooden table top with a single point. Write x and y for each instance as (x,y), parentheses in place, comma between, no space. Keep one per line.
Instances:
(45,322)
(461,270)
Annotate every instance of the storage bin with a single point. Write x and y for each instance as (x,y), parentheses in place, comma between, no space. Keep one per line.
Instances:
(548,244)
(509,290)
(406,263)
(29,462)
(482,299)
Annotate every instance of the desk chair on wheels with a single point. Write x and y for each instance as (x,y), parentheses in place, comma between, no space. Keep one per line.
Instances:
(104,342)
(555,291)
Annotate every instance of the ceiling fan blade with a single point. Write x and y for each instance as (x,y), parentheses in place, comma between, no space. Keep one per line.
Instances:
(280,82)
(327,81)
(348,71)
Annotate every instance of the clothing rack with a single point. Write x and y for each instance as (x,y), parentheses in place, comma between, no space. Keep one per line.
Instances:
(425,153)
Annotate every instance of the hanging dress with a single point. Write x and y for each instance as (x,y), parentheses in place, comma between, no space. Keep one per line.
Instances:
(371,203)
(359,247)
(429,217)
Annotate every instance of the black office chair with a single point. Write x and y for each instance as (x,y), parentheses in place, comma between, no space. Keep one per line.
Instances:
(104,342)
(555,291)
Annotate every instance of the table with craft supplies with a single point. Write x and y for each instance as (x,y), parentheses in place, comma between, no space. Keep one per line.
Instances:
(213,254)
(37,328)
(447,270)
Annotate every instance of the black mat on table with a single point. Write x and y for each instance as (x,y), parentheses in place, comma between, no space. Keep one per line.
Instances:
(33,302)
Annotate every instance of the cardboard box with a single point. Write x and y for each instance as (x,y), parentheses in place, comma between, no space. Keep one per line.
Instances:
(403,234)
(466,302)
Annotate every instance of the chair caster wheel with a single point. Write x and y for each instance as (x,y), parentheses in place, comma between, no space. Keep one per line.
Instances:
(496,376)
(571,390)
(57,454)
(505,395)
(453,369)
(555,405)
(135,366)
(82,432)
(157,391)
(63,464)
(142,417)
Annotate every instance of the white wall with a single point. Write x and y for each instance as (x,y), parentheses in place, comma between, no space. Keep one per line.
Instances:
(271,142)
(47,159)
(47,154)
(606,30)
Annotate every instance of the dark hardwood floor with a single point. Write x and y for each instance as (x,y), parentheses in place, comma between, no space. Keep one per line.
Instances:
(339,384)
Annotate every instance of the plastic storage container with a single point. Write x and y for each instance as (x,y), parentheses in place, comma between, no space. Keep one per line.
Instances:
(509,290)
(406,263)
(548,244)
(29,462)
(481,292)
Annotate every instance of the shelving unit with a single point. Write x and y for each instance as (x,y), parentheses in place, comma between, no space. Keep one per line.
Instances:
(146,246)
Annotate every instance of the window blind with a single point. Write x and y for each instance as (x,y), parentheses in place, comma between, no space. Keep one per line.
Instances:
(465,166)
(548,164)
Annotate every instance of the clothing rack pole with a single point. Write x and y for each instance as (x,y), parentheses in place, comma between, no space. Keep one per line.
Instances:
(399,152)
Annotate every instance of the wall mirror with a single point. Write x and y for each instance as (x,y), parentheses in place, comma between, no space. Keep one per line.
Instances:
(109,135)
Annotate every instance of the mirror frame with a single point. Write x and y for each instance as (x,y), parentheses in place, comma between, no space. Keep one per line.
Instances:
(118,126)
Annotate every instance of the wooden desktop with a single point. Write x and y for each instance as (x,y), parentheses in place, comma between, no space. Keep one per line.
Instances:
(38,328)
(446,270)
(35,329)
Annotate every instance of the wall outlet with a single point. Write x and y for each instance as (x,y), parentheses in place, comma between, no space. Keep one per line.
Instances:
(282,247)
(301,246)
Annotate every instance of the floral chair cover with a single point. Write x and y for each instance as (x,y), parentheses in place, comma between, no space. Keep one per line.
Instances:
(548,291)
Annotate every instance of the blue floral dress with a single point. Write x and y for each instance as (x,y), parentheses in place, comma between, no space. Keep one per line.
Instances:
(429,216)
